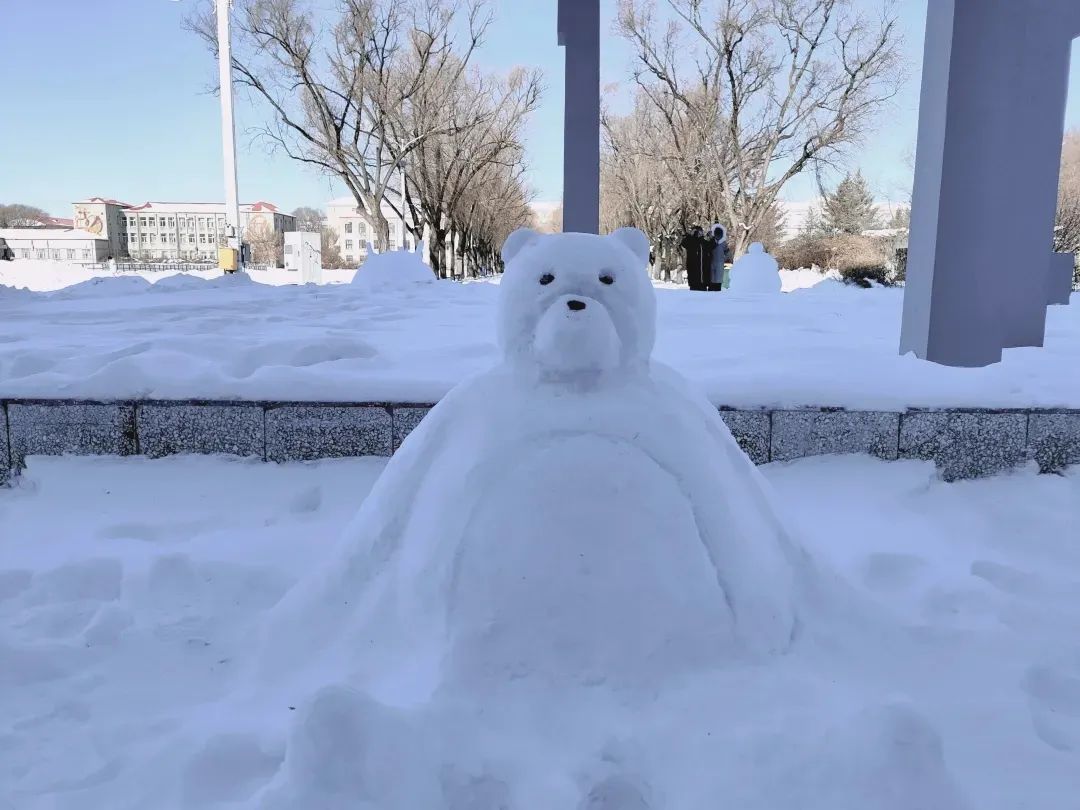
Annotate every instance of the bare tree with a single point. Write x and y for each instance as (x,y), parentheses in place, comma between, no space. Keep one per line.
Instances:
(767,89)
(1067,230)
(330,252)
(340,94)
(267,245)
(551,222)
(495,205)
(653,176)
(17,215)
(310,220)
(488,115)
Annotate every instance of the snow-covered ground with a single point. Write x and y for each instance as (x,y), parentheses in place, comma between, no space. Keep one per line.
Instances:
(232,337)
(133,592)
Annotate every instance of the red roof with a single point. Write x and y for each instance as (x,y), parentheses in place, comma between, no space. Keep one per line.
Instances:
(108,201)
(60,222)
(260,205)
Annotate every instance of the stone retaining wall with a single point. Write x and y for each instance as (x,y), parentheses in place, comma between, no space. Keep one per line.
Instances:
(964,443)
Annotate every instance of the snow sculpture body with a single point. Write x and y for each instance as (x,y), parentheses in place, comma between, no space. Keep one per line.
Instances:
(756,273)
(576,521)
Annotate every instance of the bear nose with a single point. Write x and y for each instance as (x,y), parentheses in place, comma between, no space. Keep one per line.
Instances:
(576,305)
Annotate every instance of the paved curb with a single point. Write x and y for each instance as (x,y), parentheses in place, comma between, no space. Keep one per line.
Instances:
(962,442)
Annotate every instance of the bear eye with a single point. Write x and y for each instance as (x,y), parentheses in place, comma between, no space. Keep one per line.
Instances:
(546,279)
(607,278)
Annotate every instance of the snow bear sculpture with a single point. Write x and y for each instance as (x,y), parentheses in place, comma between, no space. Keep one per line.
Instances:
(578,513)
(563,539)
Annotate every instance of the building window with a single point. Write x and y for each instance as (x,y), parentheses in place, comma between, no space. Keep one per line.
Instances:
(162,220)
(86,255)
(43,254)
(202,238)
(362,230)
(130,221)
(191,222)
(348,244)
(348,227)
(143,220)
(172,221)
(26,253)
(191,238)
(349,259)
(393,243)
(202,222)
(56,254)
(70,253)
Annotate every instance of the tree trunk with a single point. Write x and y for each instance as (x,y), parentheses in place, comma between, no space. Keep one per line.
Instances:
(380,229)
(437,252)
(453,253)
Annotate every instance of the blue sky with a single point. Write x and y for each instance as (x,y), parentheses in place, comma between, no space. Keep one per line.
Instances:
(109,98)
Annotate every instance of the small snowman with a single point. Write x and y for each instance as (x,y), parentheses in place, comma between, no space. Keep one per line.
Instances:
(756,273)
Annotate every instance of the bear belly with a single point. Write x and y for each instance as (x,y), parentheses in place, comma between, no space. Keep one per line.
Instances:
(582,563)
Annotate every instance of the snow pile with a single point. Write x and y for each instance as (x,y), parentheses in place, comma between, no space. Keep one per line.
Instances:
(133,592)
(756,273)
(395,270)
(49,276)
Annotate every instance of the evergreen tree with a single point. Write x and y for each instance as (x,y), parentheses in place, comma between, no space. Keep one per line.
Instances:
(850,209)
(814,224)
(901,219)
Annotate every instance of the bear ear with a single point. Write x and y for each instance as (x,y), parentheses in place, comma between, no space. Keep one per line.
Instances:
(516,241)
(635,240)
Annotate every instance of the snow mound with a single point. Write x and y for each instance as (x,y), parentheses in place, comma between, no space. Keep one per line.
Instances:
(395,270)
(756,273)
(104,287)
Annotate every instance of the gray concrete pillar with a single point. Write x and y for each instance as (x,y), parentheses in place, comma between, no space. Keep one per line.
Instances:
(579,32)
(991,121)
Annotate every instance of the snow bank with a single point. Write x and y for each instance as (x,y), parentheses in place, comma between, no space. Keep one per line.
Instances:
(132,593)
(394,270)
(829,344)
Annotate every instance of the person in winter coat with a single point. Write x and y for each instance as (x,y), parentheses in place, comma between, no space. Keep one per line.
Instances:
(699,255)
(721,257)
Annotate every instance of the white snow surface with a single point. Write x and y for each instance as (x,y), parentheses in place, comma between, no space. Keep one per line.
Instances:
(756,273)
(134,594)
(186,336)
(393,270)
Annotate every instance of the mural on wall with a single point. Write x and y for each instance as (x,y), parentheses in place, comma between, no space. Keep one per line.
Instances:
(89,221)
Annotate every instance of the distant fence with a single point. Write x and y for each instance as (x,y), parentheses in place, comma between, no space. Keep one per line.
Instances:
(161,267)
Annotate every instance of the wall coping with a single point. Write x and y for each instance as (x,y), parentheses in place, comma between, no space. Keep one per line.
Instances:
(966,442)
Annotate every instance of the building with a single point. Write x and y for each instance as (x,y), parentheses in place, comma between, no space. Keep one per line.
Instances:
(170,230)
(353,232)
(56,244)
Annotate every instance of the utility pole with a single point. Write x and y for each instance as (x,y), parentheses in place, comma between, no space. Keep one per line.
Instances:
(579,32)
(229,261)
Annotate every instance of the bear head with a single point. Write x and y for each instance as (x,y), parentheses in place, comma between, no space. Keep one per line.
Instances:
(576,306)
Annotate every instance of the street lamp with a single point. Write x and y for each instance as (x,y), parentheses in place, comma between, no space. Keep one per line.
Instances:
(230,258)
(233,259)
